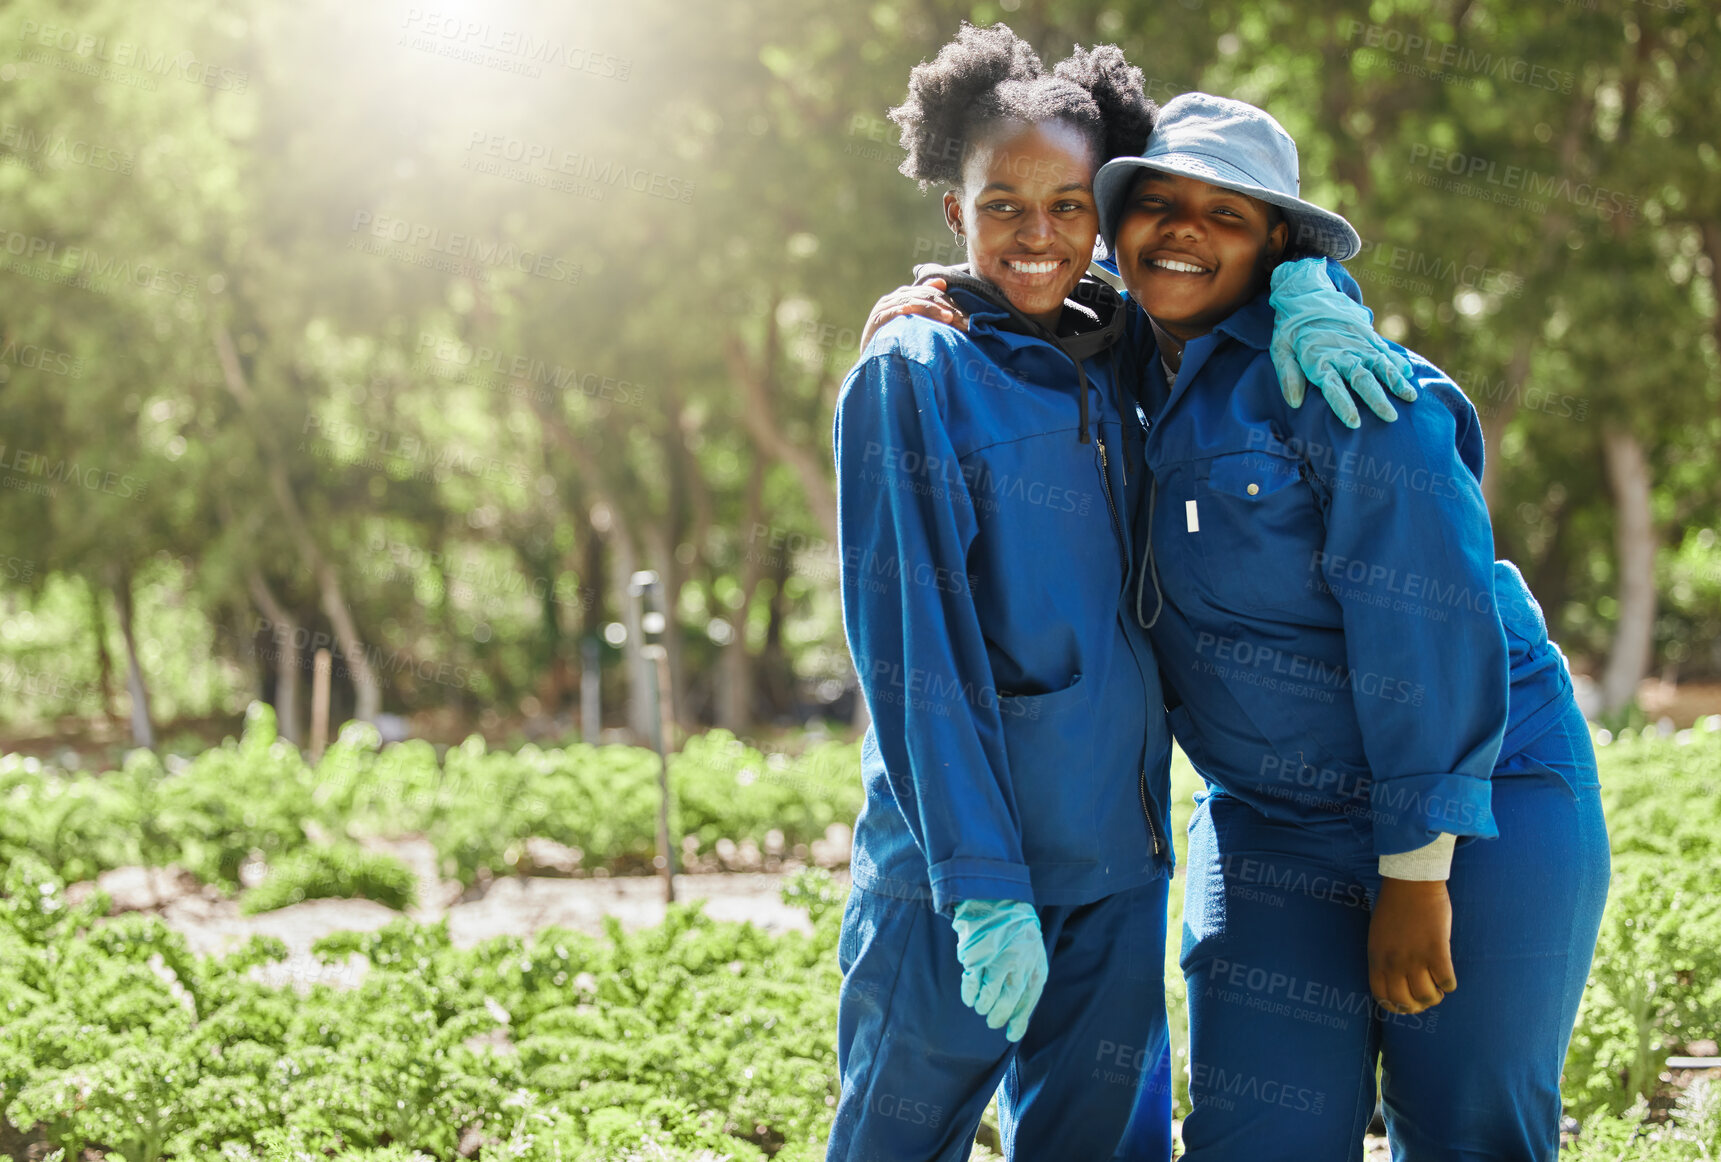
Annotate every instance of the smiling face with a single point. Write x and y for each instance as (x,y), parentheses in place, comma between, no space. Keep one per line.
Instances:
(1191,253)
(1027,210)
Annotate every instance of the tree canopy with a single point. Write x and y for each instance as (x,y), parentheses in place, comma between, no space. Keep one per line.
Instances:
(415,333)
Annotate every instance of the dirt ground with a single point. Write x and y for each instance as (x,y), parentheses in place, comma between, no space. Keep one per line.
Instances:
(518,905)
(1684,703)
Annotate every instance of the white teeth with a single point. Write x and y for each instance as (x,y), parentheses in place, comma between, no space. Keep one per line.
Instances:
(1033,267)
(1184,267)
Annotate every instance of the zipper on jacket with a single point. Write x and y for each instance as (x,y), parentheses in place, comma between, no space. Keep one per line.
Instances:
(1147,811)
(1105,485)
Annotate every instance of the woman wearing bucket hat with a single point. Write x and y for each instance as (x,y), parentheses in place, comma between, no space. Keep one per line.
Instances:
(1401,793)
(1011,863)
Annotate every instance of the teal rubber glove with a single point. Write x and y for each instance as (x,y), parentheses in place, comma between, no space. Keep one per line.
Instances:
(1330,336)
(1003,959)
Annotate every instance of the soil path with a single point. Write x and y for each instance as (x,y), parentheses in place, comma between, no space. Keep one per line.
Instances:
(517,905)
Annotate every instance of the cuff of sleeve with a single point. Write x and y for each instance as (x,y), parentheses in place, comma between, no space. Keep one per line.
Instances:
(1409,811)
(1433,862)
(956,880)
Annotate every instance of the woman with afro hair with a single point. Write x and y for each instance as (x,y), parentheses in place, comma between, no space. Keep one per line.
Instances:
(1012,856)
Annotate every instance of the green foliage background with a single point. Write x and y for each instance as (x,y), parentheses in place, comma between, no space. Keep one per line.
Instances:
(1538,185)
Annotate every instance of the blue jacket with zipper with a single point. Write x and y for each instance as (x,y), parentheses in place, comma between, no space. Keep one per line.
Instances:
(985,517)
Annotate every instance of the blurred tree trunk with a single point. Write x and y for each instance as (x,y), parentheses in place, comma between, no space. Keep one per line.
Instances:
(142,729)
(735,692)
(284,627)
(591,571)
(1495,424)
(689,520)
(285,637)
(104,659)
(758,381)
(1550,580)
(1634,542)
(1711,232)
(550,671)
(702,521)
(367,691)
(776,670)
(555,676)
(610,521)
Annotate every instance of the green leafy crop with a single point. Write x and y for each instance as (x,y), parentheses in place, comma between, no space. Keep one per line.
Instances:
(694,1036)
(339,871)
(1655,984)
(693,1040)
(256,798)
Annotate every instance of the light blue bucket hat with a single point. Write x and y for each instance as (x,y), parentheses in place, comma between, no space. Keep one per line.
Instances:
(1233,145)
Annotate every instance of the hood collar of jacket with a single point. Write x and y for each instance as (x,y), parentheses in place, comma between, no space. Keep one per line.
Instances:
(1097,307)
(1093,302)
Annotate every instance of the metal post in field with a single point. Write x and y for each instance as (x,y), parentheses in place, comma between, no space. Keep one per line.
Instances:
(591,691)
(644,588)
(321,671)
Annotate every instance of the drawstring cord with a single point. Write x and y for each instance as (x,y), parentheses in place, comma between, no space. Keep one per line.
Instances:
(1152,567)
(1082,386)
(1123,427)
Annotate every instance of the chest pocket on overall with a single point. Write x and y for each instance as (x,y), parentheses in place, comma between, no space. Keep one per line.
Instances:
(1257,524)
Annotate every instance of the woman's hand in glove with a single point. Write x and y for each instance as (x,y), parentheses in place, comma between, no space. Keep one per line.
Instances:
(1330,338)
(1003,959)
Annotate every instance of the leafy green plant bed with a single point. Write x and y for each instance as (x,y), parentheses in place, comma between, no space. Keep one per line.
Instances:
(692,1036)
(693,1040)
(1655,986)
(257,798)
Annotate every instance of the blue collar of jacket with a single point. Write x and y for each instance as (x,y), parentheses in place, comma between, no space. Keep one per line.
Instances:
(1251,323)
